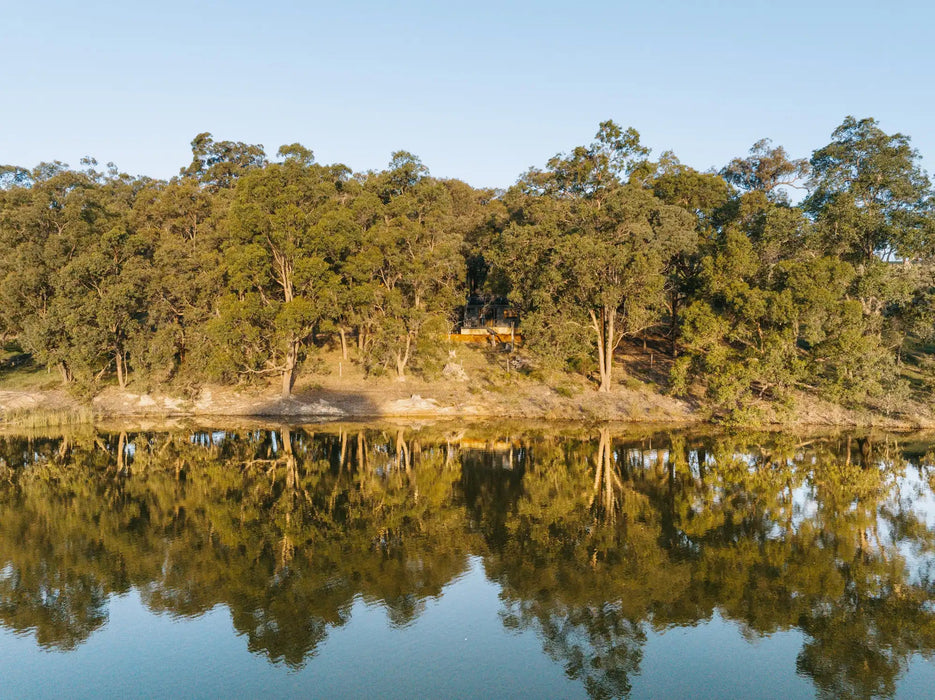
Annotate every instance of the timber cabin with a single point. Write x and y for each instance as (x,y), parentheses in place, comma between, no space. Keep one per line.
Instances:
(488,319)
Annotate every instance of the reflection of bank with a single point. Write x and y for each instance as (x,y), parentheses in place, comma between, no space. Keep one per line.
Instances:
(593,539)
(499,453)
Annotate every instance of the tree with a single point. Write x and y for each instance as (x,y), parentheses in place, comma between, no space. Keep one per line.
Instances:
(107,279)
(182,223)
(586,249)
(869,194)
(411,257)
(588,172)
(767,170)
(41,228)
(218,164)
(615,267)
(76,286)
(705,196)
(279,268)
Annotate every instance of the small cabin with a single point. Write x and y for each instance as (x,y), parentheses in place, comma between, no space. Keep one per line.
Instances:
(486,318)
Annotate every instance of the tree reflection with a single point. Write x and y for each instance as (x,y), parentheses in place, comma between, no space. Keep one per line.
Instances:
(595,539)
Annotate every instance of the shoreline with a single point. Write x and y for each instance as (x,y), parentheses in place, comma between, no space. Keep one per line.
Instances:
(416,401)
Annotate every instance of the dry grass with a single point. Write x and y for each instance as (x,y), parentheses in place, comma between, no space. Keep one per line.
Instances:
(28,377)
(35,419)
(529,391)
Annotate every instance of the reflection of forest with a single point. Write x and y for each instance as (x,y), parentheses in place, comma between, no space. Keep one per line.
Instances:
(595,539)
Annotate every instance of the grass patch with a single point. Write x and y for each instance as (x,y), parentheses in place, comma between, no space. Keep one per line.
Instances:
(28,377)
(633,384)
(38,418)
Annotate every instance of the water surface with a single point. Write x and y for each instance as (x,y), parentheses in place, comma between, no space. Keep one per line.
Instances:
(353,561)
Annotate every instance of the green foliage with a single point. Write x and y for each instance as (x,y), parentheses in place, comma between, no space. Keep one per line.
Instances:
(240,268)
(790,298)
(218,164)
(585,255)
(869,194)
(410,257)
(766,170)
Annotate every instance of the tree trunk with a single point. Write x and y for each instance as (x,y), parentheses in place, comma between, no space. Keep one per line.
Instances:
(121,453)
(402,359)
(674,324)
(604,327)
(343,448)
(65,372)
(292,468)
(288,373)
(607,484)
(402,451)
(121,370)
(598,325)
(361,452)
(343,343)
(400,368)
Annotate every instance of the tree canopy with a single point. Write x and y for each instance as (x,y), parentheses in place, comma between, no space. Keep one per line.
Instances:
(242,267)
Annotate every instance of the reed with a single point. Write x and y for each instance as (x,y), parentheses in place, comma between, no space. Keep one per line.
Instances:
(33,418)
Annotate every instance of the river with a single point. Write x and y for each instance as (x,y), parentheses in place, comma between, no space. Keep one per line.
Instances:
(451,560)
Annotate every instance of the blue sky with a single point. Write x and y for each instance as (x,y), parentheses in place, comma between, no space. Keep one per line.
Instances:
(480,91)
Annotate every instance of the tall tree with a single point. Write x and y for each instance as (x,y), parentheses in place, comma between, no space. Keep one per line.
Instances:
(218,164)
(184,224)
(105,282)
(869,194)
(77,269)
(40,226)
(278,261)
(767,169)
(705,196)
(414,253)
(584,250)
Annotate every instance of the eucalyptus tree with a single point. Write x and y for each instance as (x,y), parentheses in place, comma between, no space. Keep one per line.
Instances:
(278,264)
(40,223)
(589,172)
(183,223)
(767,169)
(705,196)
(615,262)
(73,279)
(585,253)
(218,164)
(873,205)
(869,194)
(771,313)
(413,251)
(356,263)
(105,283)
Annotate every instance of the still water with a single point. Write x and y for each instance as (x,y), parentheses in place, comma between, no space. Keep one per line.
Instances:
(440,561)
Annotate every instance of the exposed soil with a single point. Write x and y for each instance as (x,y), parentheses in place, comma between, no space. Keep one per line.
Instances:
(22,401)
(412,398)
(477,384)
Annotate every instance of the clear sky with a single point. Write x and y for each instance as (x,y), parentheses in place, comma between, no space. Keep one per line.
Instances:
(480,91)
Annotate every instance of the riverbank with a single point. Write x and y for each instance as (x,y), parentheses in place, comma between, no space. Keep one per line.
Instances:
(475,385)
(332,401)
(383,399)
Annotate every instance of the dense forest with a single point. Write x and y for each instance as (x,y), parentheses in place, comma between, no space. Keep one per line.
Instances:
(772,276)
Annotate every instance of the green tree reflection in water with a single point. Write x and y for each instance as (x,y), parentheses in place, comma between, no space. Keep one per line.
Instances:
(773,533)
(284,528)
(594,538)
